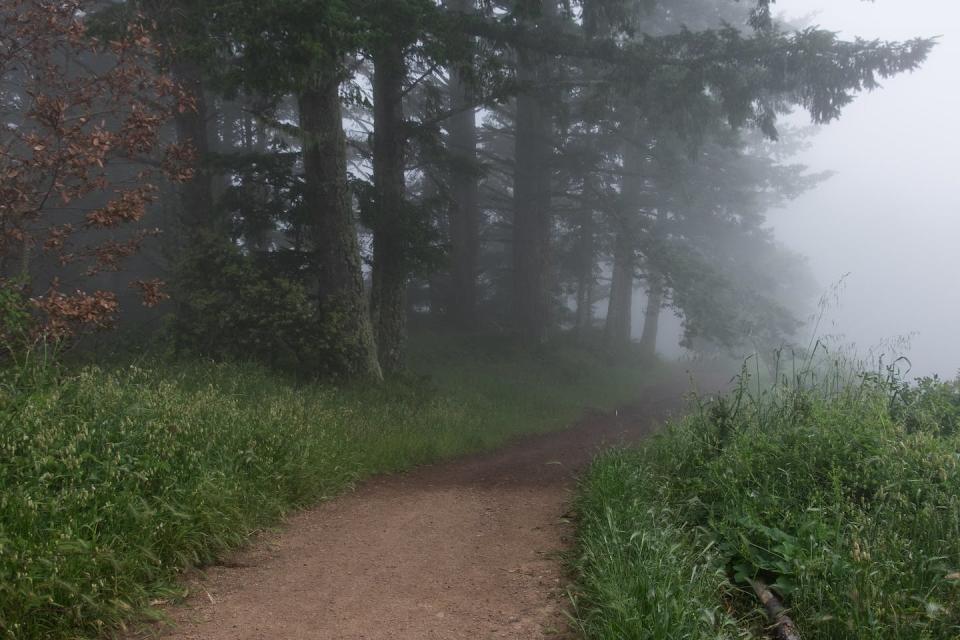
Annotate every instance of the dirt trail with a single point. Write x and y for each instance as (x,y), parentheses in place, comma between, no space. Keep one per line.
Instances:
(468,549)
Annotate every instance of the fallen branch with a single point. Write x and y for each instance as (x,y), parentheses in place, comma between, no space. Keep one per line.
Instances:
(783,626)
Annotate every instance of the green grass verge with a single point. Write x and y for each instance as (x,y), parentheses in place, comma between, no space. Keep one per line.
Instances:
(114,480)
(846,498)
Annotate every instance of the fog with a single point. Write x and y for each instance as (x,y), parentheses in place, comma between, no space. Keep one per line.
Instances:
(535,187)
(890,218)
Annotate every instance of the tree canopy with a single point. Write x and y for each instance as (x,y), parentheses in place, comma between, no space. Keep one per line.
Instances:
(509,164)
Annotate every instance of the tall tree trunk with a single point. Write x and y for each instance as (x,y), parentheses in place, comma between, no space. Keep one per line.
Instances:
(465,209)
(585,276)
(342,304)
(197,216)
(616,334)
(618,328)
(258,232)
(390,269)
(651,318)
(531,196)
(193,229)
(592,21)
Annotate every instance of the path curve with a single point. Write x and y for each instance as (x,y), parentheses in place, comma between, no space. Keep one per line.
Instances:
(468,549)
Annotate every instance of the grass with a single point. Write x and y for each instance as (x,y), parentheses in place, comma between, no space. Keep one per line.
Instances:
(843,492)
(116,479)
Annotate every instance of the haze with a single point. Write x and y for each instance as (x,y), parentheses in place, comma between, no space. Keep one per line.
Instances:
(889,217)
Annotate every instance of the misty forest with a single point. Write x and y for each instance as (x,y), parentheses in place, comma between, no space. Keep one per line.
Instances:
(447,319)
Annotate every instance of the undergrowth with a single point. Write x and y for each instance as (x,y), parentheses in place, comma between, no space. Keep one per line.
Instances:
(841,490)
(116,479)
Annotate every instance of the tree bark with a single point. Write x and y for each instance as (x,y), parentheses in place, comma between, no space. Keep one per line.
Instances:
(196,196)
(592,21)
(342,305)
(651,319)
(585,278)
(258,233)
(390,271)
(195,217)
(784,627)
(618,329)
(465,209)
(531,196)
(616,334)
(193,229)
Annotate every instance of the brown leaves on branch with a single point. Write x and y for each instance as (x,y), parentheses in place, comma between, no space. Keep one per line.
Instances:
(151,291)
(128,206)
(81,150)
(110,254)
(65,315)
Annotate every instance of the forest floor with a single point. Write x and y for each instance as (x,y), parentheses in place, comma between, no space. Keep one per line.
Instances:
(471,548)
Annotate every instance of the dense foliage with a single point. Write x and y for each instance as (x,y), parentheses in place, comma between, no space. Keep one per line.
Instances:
(512,162)
(843,497)
(80,153)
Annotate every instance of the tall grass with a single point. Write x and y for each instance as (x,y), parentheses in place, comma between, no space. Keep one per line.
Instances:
(114,480)
(839,487)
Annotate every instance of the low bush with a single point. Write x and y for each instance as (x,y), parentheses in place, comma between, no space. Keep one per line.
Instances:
(844,497)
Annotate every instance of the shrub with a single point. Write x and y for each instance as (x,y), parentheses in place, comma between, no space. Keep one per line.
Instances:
(846,500)
(231,306)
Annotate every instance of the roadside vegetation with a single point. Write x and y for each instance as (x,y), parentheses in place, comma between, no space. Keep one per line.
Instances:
(117,478)
(277,191)
(841,491)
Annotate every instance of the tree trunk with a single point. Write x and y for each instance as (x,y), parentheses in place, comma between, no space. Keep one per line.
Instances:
(531,198)
(465,209)
(651,319)
(342,304)
(196,196)
(193,231)
(616,336)
(783,625)
(195,218)
(257,232)
(592,20)
(390,271)
(585,277)
(629,226)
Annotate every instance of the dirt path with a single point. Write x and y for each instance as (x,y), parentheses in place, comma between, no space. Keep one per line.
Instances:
(468,549)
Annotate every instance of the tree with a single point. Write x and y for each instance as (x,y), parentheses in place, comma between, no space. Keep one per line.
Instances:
(395,27)
(81,150)
(298,47)
(685,80)
(533,158)
(182,29)
(708,254)
(583,105)
(465,206)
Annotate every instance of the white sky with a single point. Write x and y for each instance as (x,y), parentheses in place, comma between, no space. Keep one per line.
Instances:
(891,216)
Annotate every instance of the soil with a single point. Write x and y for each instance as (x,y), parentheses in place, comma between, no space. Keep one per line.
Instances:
(467,549)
